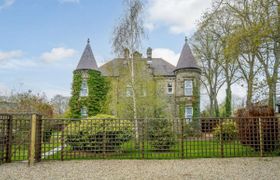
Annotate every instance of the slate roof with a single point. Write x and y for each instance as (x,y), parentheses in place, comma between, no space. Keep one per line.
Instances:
(87,60)
(160,67)
(187,60)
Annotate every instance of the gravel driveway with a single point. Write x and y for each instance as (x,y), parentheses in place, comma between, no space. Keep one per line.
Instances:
(233,168)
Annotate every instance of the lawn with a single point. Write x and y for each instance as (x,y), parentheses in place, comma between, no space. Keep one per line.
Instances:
(196,148)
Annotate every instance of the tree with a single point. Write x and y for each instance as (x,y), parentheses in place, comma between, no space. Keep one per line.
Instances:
(150,91)
(256,41)
(209,51)
(28,102)
(60,104)
(128,34)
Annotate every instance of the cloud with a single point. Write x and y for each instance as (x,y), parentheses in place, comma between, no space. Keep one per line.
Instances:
(57,54)
(6,4)
(179,15)
(69,1)
(4,56)
(18,64)
(166,54)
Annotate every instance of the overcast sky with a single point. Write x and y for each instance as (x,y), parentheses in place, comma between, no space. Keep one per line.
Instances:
(42,40)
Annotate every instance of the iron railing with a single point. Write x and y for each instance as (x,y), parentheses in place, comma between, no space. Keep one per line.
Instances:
(159,138)
(66,139)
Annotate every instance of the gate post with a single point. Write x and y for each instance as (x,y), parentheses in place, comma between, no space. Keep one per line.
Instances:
(261,137)
(142,139)
(182,138)
(221,137)
(31,158)
(9,143)
(38,138)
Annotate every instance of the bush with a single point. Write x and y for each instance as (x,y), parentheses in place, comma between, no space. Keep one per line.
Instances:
(227,132)
(98,132)
(192,129)
(161,135)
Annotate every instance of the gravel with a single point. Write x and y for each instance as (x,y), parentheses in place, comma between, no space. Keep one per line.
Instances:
(232,168)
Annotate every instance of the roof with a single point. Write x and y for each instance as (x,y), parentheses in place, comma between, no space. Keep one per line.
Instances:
(187,59)
(87,60)
(160,67)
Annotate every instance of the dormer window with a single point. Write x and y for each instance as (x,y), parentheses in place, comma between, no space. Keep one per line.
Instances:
(169,88)
(84,89)
(188,87)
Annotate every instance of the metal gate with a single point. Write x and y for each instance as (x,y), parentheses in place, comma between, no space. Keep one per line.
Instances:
(5,124)
(20,137)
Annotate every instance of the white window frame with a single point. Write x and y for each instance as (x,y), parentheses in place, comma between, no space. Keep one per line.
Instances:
(169,88)
(188,116)
(129,91)
(188,88)
(84,111)
(84,89)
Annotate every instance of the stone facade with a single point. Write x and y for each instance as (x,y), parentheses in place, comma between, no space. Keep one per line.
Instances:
(178,85)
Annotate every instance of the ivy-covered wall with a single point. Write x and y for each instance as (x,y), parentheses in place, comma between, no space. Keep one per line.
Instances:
(97,92)
(196,99)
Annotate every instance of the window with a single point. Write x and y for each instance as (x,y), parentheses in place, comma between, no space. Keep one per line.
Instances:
(84,111)
(129,91)
(84,89)
(277,109)
(188,88)
(143,92)
(169,88)
(188,112)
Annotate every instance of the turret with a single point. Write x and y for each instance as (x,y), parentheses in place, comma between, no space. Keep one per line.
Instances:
(187,93)
(83,102)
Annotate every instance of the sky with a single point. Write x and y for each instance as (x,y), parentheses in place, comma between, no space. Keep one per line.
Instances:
(41,41)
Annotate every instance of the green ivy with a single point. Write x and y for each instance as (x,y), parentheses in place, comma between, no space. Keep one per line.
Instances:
(97,91)
(228,103)
(196,100)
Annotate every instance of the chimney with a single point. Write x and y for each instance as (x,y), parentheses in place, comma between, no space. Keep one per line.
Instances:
(149,55)
(126,53)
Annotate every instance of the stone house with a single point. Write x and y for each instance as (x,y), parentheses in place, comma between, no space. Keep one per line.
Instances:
(180,85)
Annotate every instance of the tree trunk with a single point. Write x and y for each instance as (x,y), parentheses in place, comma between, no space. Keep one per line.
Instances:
(134,100)
(216,105)
(228,101)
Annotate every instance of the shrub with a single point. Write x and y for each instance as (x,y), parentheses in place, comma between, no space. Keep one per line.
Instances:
(192,128)
(161,135)
(98,132)
(227,132)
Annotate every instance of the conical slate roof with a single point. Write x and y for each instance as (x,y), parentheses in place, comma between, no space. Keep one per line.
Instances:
(87,60)
(186,60)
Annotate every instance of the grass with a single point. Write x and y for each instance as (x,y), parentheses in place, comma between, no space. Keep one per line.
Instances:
(192,149)
(189,149)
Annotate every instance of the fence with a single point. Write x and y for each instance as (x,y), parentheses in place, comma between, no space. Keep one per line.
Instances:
(33,138)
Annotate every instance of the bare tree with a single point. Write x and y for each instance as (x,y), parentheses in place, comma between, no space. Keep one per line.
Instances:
(128,34)
(60,104)
(208,50)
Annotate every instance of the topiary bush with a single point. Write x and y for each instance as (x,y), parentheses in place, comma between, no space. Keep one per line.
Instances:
(98,133)
(227,132)
(160,134)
